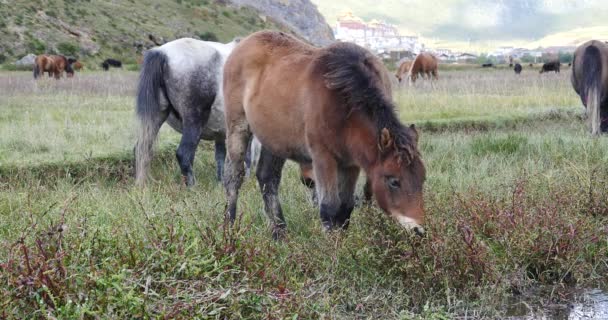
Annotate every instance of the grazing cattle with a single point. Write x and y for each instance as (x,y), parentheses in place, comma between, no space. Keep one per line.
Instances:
(487,65)
(106,64)
(590,81)
(424,64)
(54,65)
(517,68)
(330,107)
(531,65)
(181,83)
(77,66)
(551,66)
(404,69)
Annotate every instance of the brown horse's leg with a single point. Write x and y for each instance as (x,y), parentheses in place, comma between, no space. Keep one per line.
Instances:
(347,182)
(307,177)
(237,139)
(367,190)
(268,173)
(327,185)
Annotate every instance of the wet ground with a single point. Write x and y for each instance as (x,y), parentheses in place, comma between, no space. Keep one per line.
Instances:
(560,304)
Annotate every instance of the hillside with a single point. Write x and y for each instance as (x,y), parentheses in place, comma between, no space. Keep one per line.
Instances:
(299,15)
(96,29)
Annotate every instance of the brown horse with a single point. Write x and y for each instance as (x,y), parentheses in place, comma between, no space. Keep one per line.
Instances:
(403,69)
(54,65)
(331,107)
(425,63)
(590,81)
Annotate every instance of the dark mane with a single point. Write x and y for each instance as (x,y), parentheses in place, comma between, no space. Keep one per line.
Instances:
(355,73)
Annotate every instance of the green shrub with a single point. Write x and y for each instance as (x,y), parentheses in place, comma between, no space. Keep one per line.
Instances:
(36,46)
(208,36)
(68,49)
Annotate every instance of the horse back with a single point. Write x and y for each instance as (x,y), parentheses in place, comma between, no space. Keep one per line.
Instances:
(268,79)
(578,63)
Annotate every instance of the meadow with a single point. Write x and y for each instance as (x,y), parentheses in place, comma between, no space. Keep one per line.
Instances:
(515,203)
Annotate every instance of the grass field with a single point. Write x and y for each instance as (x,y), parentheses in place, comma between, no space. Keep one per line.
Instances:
(515,197)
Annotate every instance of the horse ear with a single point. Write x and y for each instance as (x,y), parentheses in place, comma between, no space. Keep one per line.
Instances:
(386,141)
(415,131)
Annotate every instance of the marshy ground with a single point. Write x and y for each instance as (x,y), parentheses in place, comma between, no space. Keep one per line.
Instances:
(515,197)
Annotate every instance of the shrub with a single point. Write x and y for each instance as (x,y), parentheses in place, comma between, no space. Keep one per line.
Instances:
(208,36)
(68,49)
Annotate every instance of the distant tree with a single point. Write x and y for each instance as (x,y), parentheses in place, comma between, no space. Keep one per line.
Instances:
(564,57)
(528,58)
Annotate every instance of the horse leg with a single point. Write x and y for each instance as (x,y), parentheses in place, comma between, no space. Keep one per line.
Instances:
(268,173)
(328,192)
(237,138)
(348,181)
(307,179)
(248,156)
(191,135)
(220,157)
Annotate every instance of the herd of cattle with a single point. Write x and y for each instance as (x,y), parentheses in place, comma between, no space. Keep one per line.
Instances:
(55,65)
(288,94)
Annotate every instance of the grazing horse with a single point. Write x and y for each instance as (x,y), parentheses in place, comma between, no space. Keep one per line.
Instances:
(551,66)
(330,107)
(425,63)
(106,64)
(404,69)
(181,83)
(54,65)
(517,68)
(590,81)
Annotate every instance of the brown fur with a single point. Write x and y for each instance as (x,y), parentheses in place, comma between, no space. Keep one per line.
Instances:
(77,66)
(331,107)
(404,69)
(590,81)
(54,65)
(424,64)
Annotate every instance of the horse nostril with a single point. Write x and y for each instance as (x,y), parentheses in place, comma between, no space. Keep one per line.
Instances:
(419,231)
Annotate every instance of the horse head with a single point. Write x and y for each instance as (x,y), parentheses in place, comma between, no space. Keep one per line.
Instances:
(397,178)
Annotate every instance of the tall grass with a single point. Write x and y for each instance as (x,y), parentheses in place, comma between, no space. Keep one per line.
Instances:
(511,204)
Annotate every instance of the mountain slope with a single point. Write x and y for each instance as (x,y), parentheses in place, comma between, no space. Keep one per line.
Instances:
(96,29)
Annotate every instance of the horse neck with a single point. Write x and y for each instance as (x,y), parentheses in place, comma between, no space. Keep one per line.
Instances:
(362,141)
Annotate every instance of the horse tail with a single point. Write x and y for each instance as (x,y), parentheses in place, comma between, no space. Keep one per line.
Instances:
(36,70)
(151,86)
(592,89)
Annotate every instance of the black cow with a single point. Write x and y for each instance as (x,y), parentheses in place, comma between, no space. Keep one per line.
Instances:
(111,62)
(487,65)
(551,66)
(517,68)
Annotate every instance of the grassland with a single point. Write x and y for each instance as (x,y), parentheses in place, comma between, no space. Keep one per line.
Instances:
(516,199)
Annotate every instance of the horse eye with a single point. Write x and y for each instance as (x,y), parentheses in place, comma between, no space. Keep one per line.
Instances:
(393,182)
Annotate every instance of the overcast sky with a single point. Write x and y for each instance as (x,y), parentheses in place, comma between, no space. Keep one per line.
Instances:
(477,20)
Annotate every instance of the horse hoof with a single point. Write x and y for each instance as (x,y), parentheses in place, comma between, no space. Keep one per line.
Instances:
(279,234)
(188,181)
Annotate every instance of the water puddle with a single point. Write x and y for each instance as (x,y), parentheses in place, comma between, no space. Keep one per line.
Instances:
(550,304)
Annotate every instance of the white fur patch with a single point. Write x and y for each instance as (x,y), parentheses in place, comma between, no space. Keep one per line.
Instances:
(408,223)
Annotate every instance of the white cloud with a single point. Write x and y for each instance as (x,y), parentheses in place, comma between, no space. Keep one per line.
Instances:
(482,15)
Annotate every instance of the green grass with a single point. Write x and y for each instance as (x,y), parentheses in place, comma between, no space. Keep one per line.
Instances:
(515,198)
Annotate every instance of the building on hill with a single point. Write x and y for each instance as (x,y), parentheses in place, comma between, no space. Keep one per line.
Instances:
(378,36)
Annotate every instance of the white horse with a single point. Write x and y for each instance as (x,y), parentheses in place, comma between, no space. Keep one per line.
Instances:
(181,83)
